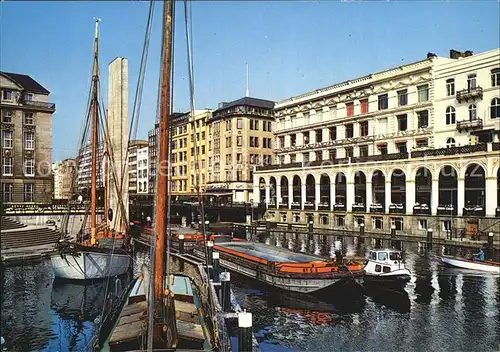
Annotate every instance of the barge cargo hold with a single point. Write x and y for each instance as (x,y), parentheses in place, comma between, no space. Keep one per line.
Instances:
(286,270)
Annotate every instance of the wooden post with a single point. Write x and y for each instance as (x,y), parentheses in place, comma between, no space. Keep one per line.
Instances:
(429,239)
(245,331)
(225,298)
(181,244)
(362,230)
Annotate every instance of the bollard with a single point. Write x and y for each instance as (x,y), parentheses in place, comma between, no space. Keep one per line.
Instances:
(361,229)
(225,292)
(491,251)
(247,233)
(268,227)
(429,239)
(181,244)
(215,265)
(245,331)
(210,249)
(393,231)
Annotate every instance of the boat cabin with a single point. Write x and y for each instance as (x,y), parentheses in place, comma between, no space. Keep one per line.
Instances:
(389,257)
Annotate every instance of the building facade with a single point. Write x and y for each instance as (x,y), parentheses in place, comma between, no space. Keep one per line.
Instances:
(395,149)
(64,173)
(142,170)
(84,161)
(239,137)
(26,140)
(135,163)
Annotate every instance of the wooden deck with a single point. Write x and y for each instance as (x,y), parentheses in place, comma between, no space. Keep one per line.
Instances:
(131,324)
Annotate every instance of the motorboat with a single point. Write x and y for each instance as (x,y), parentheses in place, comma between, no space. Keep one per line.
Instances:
(487,265)
(386,267)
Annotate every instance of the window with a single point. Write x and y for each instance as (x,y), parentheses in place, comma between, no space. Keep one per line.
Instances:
(471,82)
(228,142)
(401,147)
(305,157)
(28,118)
(377,222)
(203,135)
(423,93)
(382,256)
(7,167)
(363,150)
(402,122)
(28,96)
(450,142)
(422,143)
(293,158)
(239,124)
(332,154)
(239,141)
(363,128)
(29,140)
(202,149)
(239,158)
(383,101)
(228,125)
(349,109)
(239,175)
(318,155)
(495,77)
(29,167)
(229,175)
(323,219)
(29,192)
(7,116)
(7,139)
(281,142)
(495,108)
(306,138)
(228,159)
(340,220)
(256,142)
(422,224)
(293,140)
(446,225)
(319,136)
(402,97)
(382,148)
(364,106)
(333,133)
(7,192)
(378,268)
(472,112)
(423,119)
(256,125)
(450,115)
(398,223)
(349,152)
(349,131)
(450,87)
(6,94)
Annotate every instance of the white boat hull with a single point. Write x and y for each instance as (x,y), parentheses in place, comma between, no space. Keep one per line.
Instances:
(88,265)
(472,265)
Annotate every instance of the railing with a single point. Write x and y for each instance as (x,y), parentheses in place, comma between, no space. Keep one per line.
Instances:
(450,151)
(496,146)
(380,157)
(41,104)
(470,93)
(466,125)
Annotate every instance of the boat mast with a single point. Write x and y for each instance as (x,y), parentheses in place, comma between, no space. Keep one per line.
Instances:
(105,168)
(93,180)
(162,183)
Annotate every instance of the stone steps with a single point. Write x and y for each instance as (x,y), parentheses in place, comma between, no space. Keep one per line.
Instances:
(8,224)
(28,238)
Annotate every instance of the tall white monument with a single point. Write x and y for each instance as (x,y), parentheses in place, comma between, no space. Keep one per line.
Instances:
(118,135)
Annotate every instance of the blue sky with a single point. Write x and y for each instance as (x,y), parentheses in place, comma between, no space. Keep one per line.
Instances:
(291,47)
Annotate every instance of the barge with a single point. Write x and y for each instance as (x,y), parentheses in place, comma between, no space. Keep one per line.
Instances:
(286,270)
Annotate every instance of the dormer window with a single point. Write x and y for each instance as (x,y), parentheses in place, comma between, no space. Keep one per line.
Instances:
(6,94)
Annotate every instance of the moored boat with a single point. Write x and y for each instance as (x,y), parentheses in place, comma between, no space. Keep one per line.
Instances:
(284,269)
(487,265)
(386,267)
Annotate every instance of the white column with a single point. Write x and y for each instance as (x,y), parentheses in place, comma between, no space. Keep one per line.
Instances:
(387,194)
(349,198)
(256,193)
(491,196)
(317,196)
(435,196)
(410,196)
(290,195)
(302,195)
(461,195)
(369,195)
(267,190)
(332,195)
(278,194)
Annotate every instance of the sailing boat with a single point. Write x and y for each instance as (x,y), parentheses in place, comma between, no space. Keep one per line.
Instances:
(105,254)
(173,305)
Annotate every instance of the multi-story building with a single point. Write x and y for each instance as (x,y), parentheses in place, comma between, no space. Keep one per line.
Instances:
(63,173)
(134,185)
(26,140)
(84,161)
(198,150)
(142,169)
(239,138)
(391,149)
(152,156)
(180,129)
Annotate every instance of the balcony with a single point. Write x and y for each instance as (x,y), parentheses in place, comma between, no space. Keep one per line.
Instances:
(377,208)
(470,94)
(309,205)
(468,125)
(358,208)
(421,209)
(396,208)
(474,210)
(41,104)
(380,157)
(295,205)
(324,206)
(446,210)
(466,149)
(495,146)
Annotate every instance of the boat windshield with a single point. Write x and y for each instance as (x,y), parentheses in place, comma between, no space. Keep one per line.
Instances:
(395,256)
(373,256)
(382,256)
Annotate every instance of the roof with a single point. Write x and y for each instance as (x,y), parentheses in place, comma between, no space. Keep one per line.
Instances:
(26,82)
(247,101)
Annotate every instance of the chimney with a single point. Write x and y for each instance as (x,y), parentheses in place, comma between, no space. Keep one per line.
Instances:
(430,55)
(455,54)
(468,53)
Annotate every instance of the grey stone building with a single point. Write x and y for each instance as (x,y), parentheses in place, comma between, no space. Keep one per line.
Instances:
(26,140)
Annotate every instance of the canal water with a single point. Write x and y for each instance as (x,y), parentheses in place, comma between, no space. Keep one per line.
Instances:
(441,309)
